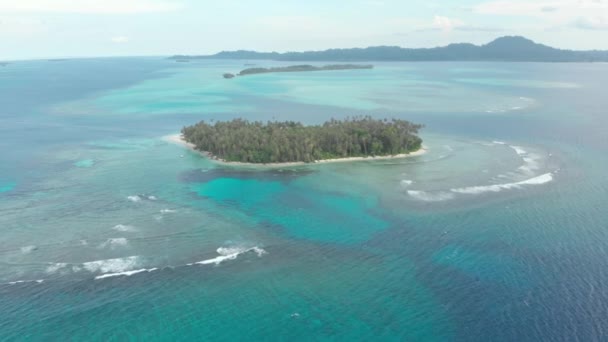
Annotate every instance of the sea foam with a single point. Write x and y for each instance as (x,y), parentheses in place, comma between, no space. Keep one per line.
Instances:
(134,198)
(430,196)
(519,150)
(112,265)
(28,249)
(37,281)
(474,190)
(229,253)
(406,182)
(115,242)
(125,273)
(124,228)
(54,267)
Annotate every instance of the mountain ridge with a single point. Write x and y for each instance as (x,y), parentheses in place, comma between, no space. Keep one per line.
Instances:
(505,49)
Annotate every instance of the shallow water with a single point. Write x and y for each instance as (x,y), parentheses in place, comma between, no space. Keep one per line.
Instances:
(497,233)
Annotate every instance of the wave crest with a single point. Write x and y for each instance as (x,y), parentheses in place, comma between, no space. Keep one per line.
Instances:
(230,253)
(115,242)
(124,228)
(112,265)
(474,190)
(125,273)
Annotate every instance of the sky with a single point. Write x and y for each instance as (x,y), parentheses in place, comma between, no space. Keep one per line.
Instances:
(31,29)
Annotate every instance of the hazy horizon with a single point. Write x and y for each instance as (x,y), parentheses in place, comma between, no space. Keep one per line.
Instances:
(39,29)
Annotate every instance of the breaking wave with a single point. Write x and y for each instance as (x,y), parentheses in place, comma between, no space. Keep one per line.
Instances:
(125,273)
(114,242)
(134,198)
(98,266)
(229,253)
(37,281)
(474,190)
(112,265)
(128,266)
(430,196)
(28,249)
(124,228)
(406,182)
(519,150)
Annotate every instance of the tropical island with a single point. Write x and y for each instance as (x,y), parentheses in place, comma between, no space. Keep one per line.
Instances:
(303,68)
(256,142)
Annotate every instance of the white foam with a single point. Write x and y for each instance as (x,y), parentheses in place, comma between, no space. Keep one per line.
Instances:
(430,196)
(168,211)
(115,242)
(112,265)
(126,273)
(52,268)
(530,163)
(152,198)
(230,253)
(38,281)
(475,190)
(28,249)
(124,228)
(497,142)
(134,198)
(406,182)
(519,150)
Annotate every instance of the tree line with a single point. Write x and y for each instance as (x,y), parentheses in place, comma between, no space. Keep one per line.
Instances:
(278,142)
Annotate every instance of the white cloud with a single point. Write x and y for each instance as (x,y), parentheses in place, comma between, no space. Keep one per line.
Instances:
(89,6)
(446,24)
(552,14)
(119,39)
(544,8)
(17,26)
(592,23)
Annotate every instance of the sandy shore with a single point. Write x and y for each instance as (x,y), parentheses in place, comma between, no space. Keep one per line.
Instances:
(178,140)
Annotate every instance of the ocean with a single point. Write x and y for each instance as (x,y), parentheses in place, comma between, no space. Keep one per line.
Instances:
(108,232)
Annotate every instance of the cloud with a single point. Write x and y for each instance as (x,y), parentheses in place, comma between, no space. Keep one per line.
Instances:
(89,6)
(552,15)
(469,28)
(592,23)
(119,39)
(17,26)
(540,8)
(445,23)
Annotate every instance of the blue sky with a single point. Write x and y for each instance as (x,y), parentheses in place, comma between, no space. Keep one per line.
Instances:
(69,28)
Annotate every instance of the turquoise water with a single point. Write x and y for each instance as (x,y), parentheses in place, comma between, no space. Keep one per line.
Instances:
(108,231)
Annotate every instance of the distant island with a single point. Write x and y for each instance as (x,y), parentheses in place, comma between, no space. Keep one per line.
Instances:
(297,68)
(303,68)
(504,49)
(355,138)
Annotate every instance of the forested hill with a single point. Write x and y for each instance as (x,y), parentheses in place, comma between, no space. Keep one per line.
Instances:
(280,142)
(508,49)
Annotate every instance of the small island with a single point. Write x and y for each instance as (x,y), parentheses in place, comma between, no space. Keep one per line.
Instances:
(300,68)
(303,68)
(358,138)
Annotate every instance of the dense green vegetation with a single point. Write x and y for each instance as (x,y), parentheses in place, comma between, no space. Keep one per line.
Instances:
(305,67)
(279,142)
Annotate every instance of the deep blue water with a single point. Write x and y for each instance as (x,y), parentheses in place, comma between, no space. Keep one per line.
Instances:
(107,231)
